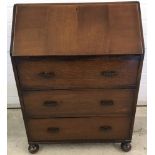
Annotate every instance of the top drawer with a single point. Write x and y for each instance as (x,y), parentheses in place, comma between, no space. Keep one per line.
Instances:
(36,73)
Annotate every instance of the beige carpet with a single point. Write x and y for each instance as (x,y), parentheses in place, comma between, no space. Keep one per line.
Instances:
(17,141)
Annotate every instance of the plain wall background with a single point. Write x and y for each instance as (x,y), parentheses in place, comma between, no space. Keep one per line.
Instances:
(12,96)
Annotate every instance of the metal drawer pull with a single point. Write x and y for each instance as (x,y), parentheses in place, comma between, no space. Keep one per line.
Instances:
(50,103)
(53,129)
(106,102)
(105,128)
(47,75)
(109,73)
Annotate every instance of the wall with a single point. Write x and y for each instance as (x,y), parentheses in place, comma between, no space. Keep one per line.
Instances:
(12,96)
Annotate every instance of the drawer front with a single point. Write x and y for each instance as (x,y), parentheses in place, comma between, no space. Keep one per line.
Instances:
(105,128)
(95,73)
(78,102)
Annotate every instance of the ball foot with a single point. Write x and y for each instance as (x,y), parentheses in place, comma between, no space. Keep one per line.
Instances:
(126,147)
(33,148)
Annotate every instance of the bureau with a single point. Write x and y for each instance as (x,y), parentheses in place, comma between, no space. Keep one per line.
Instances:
(77,69)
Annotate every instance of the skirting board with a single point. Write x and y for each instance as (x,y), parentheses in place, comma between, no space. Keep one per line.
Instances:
(17,105)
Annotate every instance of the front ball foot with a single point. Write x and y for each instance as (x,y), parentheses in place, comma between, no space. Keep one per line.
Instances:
(33,148)
(126,146)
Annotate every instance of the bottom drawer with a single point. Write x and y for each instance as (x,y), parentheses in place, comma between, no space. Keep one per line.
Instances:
(90,128)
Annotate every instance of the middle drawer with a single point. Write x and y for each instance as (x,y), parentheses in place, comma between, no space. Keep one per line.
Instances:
(78,102)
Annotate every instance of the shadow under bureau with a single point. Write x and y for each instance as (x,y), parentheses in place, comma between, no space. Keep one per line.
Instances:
(77,69)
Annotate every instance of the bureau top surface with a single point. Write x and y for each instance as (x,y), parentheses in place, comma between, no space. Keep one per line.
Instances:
(77,29)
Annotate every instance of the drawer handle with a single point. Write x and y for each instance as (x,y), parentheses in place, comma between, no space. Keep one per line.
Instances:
(106,102)
(53,129)
(109,73)
(105,128)
(50,103)
(47,75)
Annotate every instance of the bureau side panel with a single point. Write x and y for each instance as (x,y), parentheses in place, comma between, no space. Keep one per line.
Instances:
(136,95)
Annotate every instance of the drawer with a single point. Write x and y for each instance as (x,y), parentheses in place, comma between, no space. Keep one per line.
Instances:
(85,73)
(105,128)
(78,102)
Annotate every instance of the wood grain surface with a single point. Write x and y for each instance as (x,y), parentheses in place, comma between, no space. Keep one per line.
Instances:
(77,29)
(79,128)
(94,73)
(62,103)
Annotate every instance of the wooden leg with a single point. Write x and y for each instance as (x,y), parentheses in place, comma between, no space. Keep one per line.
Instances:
(33,148)
(126,146)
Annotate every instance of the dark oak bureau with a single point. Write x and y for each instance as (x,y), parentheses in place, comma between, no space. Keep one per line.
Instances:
(77,69)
